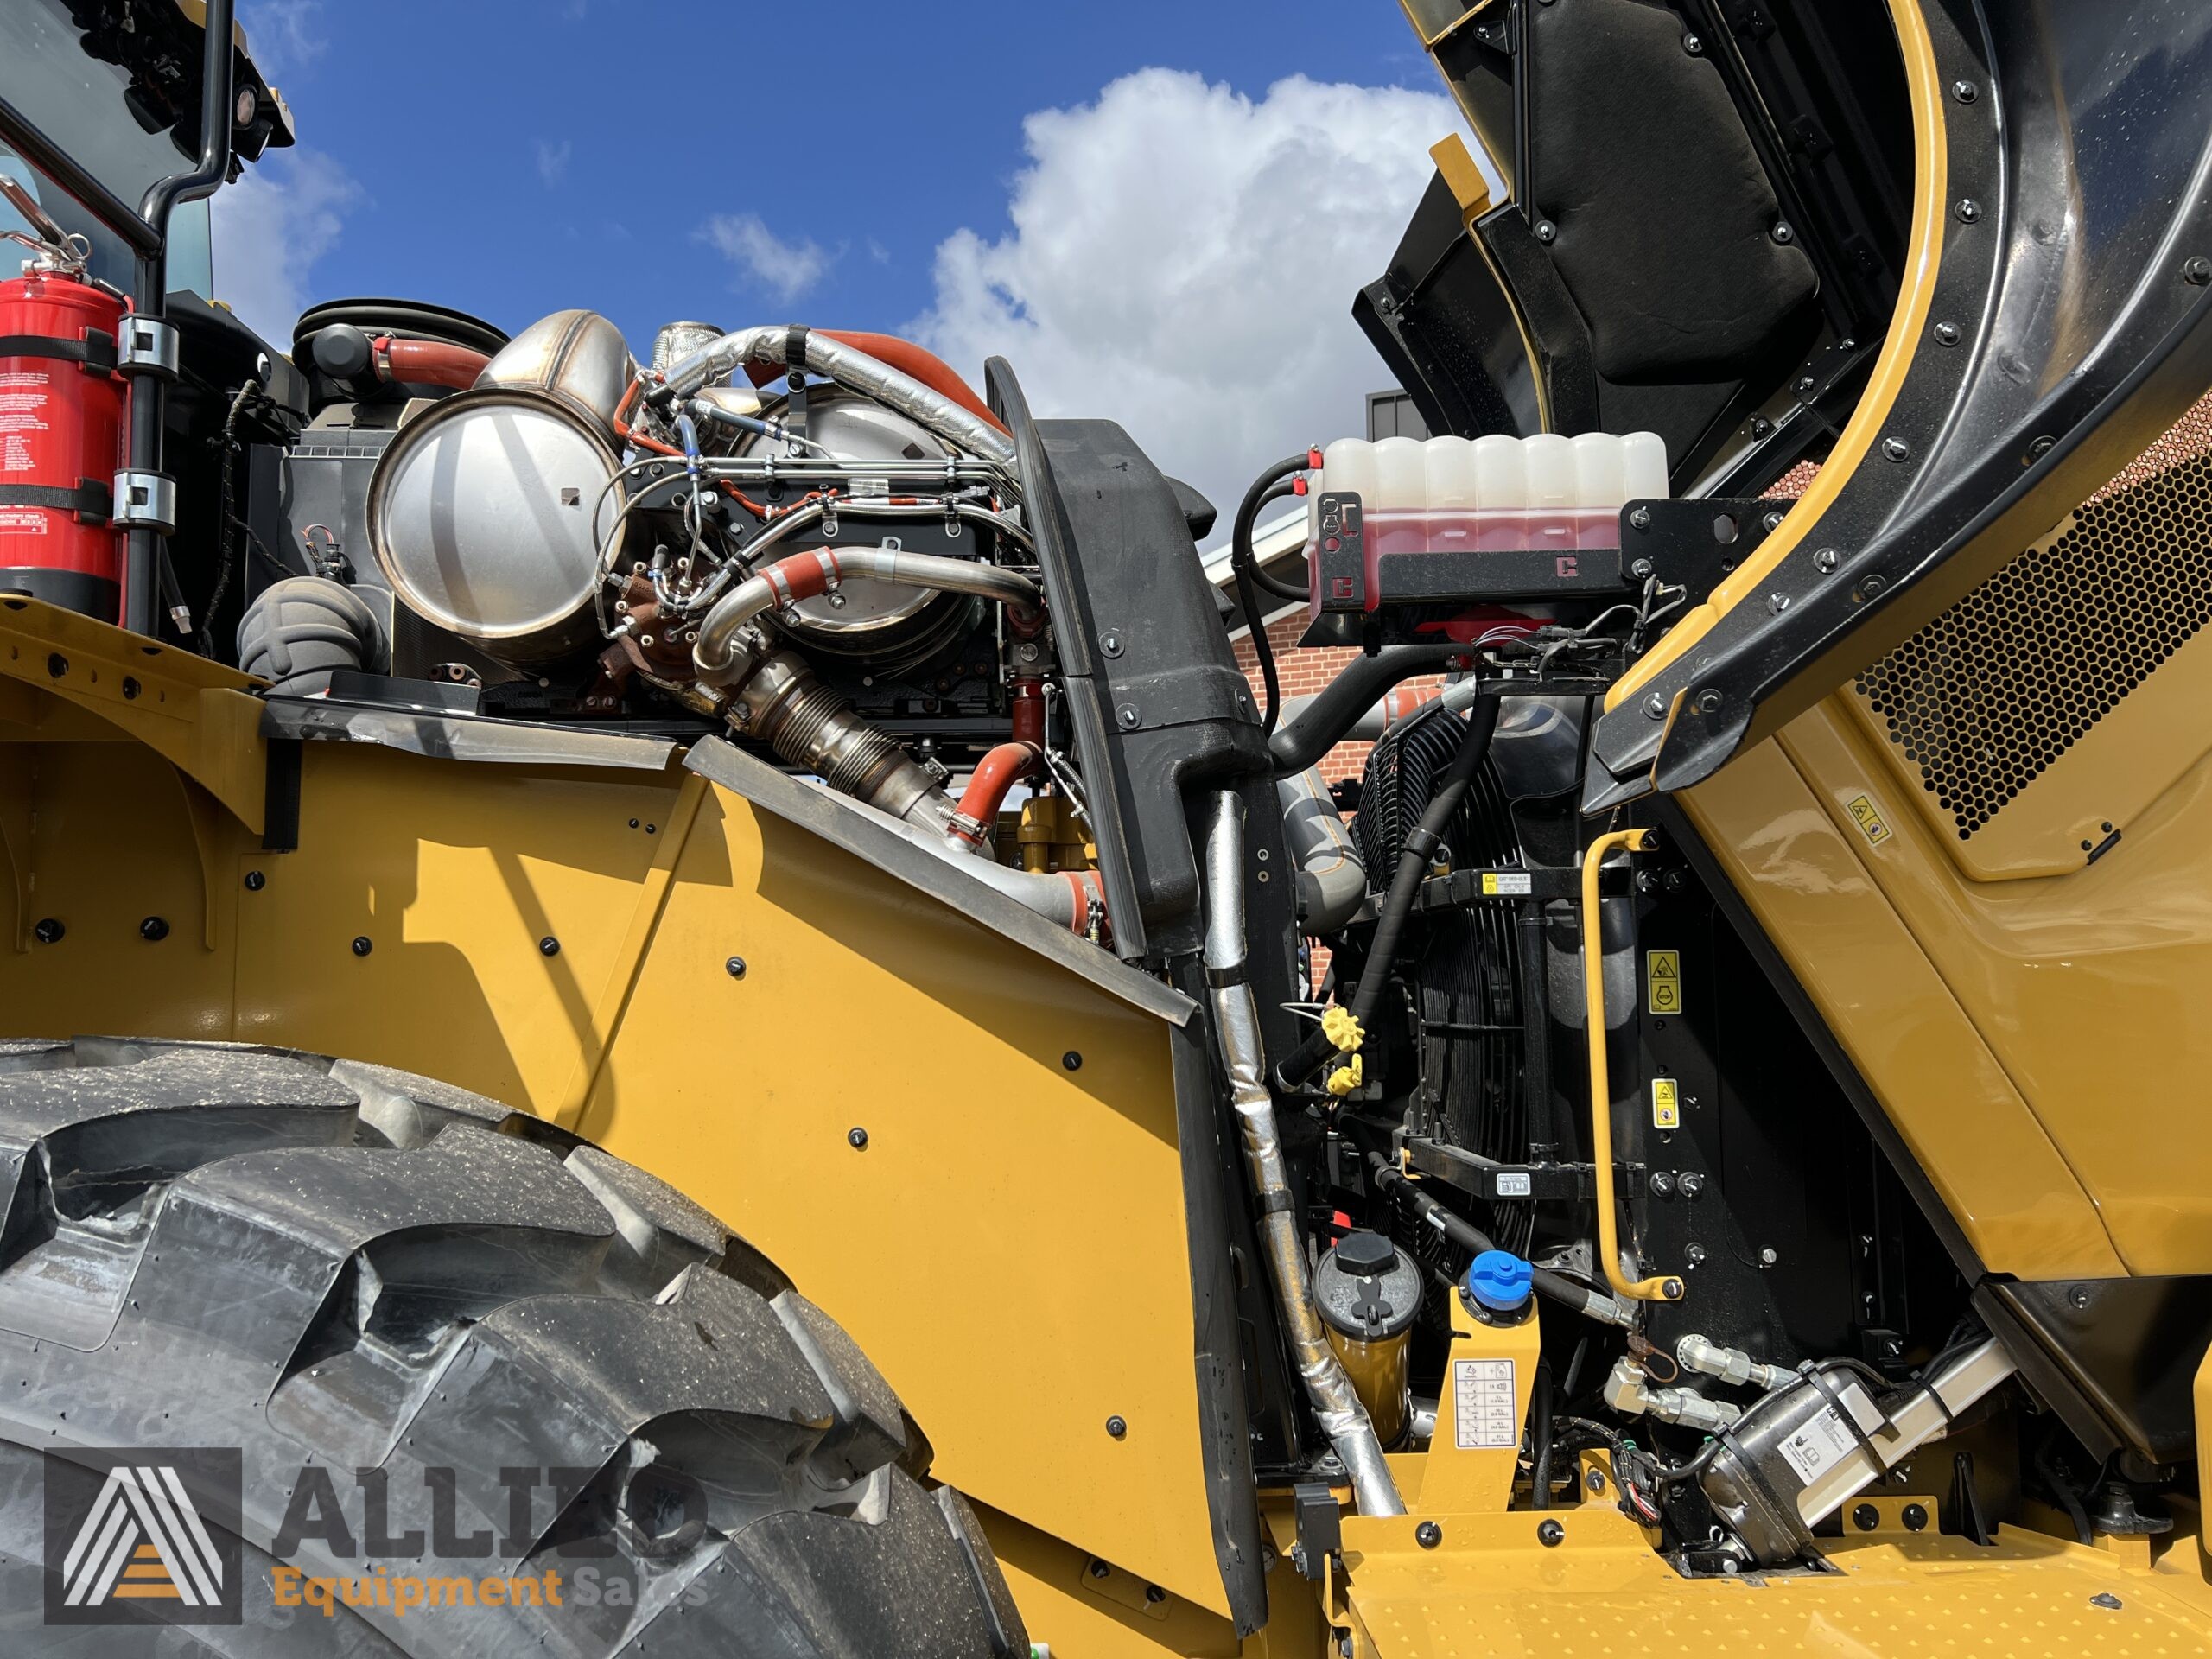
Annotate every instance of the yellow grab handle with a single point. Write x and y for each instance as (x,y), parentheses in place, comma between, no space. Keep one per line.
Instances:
(1665,1287)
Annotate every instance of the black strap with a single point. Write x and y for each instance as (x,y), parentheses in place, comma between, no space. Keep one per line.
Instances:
(795,349)
(91,500)
(96,350)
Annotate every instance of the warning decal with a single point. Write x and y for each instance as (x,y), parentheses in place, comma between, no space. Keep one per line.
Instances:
(1868,818)
(1662,979)
(1666,1104)
(1508,883)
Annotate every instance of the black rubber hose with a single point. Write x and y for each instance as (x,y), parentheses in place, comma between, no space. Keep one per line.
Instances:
(1321,725)
(1241,548)
(1246,569)
(1420,845)
(1464,1233)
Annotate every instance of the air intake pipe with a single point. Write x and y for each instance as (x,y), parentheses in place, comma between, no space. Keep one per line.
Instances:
(1236,1027)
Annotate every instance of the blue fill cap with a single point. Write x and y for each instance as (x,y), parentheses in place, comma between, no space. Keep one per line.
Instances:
(1498,1279)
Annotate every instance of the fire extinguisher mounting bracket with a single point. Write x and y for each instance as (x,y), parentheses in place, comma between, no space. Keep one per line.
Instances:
(148,347)
(145,501)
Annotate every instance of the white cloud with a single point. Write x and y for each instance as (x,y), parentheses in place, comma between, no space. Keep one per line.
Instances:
(270,228)
(553,160)
(785,269)
(1183,260)
(284,34)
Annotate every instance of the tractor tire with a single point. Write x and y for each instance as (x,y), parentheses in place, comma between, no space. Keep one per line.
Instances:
(442,1340)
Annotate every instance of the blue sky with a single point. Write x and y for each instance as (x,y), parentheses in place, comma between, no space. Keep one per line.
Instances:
(1158,206)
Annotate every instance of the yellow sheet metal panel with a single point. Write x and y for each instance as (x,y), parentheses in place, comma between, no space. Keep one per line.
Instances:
(1008,1243)
(1489,1588)
(97,837)
(1492,1372)
(1800,864)
(2092,990)
(455,876)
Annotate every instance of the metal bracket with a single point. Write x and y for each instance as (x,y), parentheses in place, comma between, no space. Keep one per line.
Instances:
(1498,1182)
(1320,1529)
(145,501)
(147,347)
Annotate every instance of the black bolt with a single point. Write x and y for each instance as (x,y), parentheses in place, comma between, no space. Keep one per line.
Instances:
(734,967)
(1099,1569)
(1771,521)
(1546,230)
(1428,1534)
(1946,334)
(1641,519)
(130,689)
(1550,1533)
(1596,1481)
(1965,91)
(2041,448)
(1118,1427)
(363,945)
(1692,45)
(153,930)
(1673,1289)
(56,664)
(1127,713)
(1826,559)
(633,824)
(1760,426)
(2106,1599)
(255,880)
(1870,584)
(48,931)
(1969,210)
(1155,1594)
(1072,1061)
(549,946)
(1866,1517)
(1916,1517)
(1781,233)
(856,1138)
(2078,1296)
(2196,271)
(1709,700)
(1896,449)
(1640,570)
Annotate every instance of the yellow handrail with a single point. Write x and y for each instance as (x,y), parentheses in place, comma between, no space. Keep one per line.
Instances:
(1664,1287)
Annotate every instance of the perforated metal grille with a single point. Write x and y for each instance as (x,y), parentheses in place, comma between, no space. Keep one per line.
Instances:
(1988,695)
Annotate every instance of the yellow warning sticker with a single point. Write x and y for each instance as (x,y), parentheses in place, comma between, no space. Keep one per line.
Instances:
(1662,980)
(1869,820)
(1666,1104)
(1505,883)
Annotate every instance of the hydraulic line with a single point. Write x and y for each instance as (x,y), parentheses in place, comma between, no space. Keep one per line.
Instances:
(1337,1034)
(1236,1027)
(1660,1288)
(1558,1286)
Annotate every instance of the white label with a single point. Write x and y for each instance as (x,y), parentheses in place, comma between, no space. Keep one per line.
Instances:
(23,521)
(1482,1401)
(1513,1187)
(1816,1444)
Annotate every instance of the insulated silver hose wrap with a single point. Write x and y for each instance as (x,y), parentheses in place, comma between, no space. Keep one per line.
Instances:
(855,371)
(1236,1023)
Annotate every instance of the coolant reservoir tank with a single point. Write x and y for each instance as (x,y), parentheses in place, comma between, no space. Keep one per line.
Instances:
(1494,495)
(1367,1292)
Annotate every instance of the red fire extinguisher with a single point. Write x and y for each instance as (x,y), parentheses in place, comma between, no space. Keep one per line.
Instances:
(62,426)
